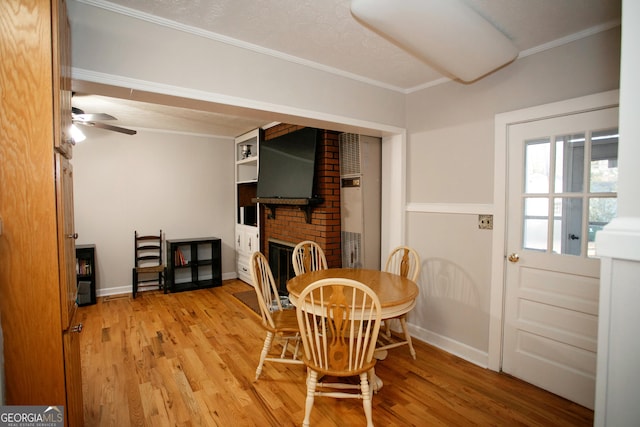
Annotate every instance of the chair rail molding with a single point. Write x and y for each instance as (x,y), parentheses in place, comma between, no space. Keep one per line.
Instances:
(451,208)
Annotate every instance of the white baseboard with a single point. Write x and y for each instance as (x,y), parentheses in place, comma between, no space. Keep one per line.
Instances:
(126,289)
(449,345)
(229,276)
(116,290)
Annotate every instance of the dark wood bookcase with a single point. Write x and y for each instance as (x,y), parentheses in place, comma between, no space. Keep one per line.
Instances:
(86,274)
(194,263)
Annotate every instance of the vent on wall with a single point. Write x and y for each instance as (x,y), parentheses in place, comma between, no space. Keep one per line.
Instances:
(349,154)
(351,253)
(360,177)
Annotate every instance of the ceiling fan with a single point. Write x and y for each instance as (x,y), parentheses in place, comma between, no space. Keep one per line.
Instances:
(79,117)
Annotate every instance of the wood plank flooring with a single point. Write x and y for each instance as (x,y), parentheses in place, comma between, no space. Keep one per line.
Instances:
(189,359)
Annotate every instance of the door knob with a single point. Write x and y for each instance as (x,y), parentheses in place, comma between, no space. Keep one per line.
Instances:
(573,236)
(514,257)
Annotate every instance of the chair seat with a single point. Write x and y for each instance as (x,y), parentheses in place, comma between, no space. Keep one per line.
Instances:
(285,321)
(341,373)
(151,269)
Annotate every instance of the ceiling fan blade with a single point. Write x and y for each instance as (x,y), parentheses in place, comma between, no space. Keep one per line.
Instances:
(107,127)
(93,117)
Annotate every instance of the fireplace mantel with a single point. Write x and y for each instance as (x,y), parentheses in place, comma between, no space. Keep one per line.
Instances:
(305,204)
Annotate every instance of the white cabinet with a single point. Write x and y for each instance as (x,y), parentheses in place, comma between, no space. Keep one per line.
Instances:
(247,242)
(247,211)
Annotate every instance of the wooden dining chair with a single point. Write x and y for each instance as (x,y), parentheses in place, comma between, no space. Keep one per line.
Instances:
(308,256)
(339,321)
(405,262)
(148,268)
(279,323)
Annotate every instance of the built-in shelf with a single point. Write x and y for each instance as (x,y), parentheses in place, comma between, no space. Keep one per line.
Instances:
(305,204)
(249,159)
(247,210)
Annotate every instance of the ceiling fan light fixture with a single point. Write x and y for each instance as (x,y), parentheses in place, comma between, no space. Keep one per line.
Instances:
(447,34)
(76,134)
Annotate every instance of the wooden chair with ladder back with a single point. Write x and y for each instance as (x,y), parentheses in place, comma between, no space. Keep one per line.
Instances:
(149,269)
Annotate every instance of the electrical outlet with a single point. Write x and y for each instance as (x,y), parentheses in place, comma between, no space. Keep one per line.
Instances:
(485,222)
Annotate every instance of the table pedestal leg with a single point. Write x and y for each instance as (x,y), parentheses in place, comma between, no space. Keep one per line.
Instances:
(380,354)
(376,382)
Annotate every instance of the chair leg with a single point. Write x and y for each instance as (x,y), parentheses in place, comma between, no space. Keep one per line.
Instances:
(164,280)
(265,350)
(134,282)
(407,336)
(312,381)
(366,398)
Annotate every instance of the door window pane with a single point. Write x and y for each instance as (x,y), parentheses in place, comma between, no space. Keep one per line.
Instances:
(536,222)
(569,163)
(567,225)
(537,166)
(604,162)
(601,211)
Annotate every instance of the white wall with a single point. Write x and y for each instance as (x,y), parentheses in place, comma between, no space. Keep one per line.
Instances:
(450,179)
(618,371)
(182,184)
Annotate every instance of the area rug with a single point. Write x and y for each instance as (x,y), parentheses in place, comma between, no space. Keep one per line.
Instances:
(249,299)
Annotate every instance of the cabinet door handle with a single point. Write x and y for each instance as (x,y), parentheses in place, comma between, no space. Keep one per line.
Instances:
(72,236)
(77,328)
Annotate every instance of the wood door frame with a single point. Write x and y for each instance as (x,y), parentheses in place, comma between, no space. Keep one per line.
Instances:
(498,256)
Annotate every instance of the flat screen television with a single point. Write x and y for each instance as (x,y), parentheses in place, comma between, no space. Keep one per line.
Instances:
(287,165)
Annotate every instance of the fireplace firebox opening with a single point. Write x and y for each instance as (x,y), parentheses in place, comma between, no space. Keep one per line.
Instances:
(281,263)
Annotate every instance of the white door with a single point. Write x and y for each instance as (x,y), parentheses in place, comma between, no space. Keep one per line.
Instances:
(561,189)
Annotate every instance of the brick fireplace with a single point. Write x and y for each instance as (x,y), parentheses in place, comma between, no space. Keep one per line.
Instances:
(290,225)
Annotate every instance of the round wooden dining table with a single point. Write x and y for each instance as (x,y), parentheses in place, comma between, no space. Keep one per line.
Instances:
(397,294)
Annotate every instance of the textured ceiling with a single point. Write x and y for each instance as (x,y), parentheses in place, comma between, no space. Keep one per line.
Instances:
(323,32)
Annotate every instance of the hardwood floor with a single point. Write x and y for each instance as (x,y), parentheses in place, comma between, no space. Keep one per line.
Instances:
(189,359)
